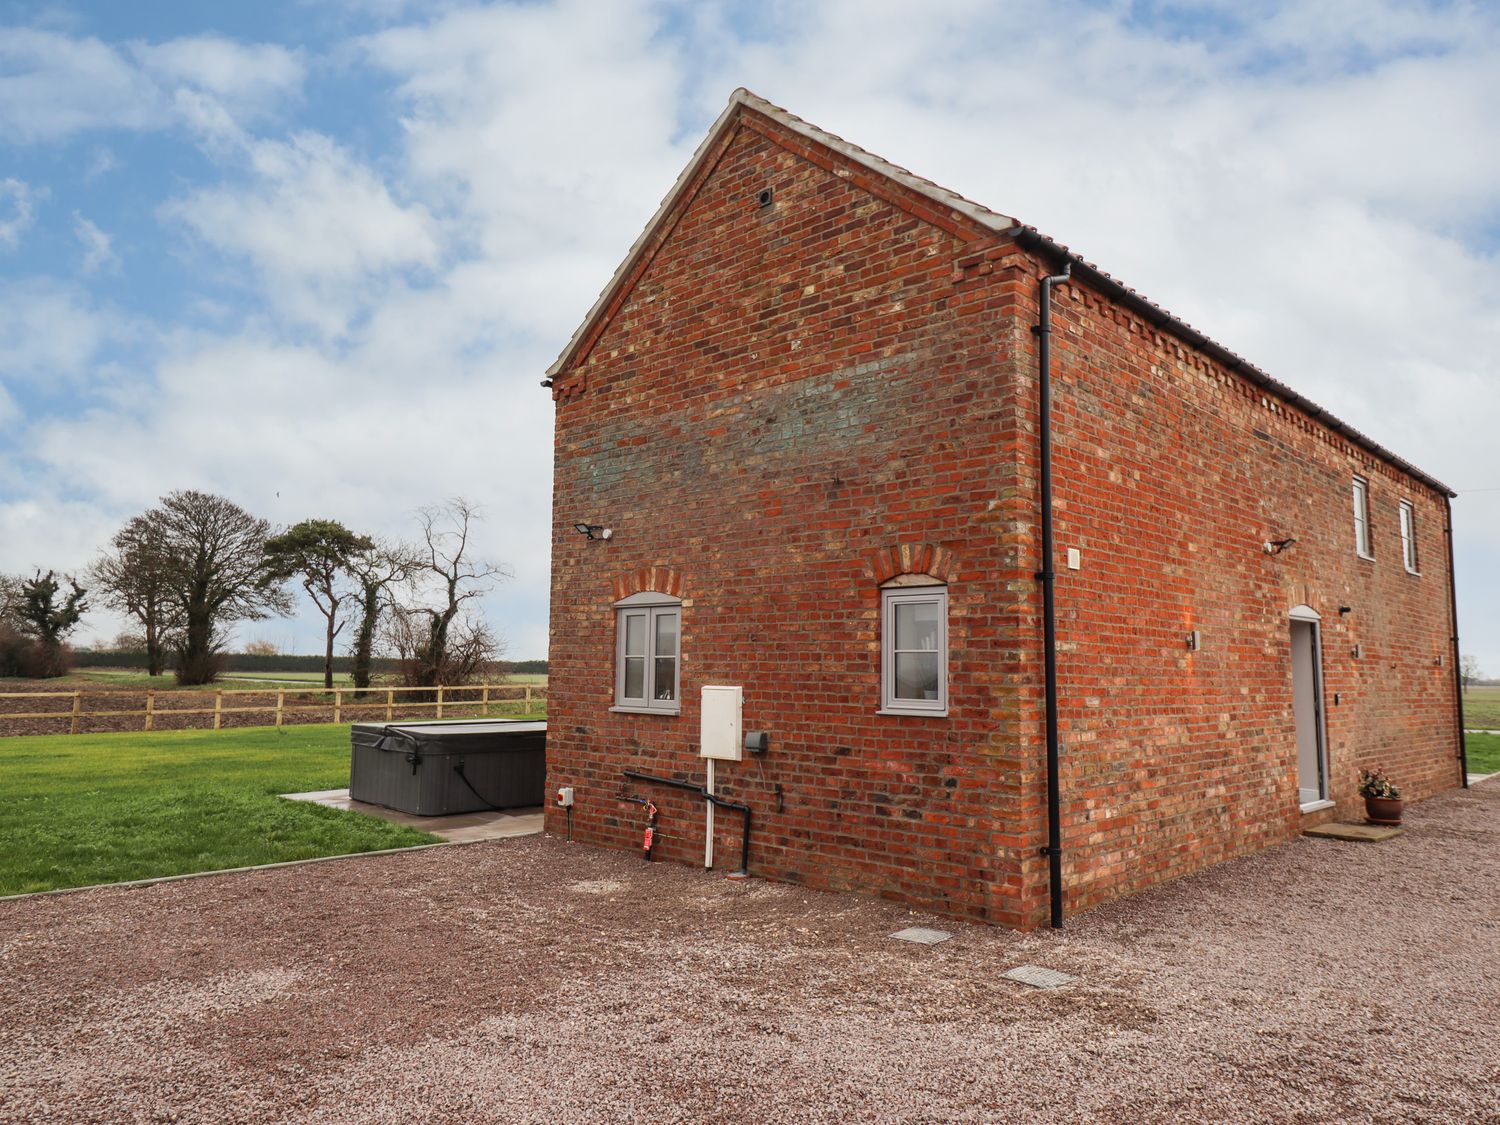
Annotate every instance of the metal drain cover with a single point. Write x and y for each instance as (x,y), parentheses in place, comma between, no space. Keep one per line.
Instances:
(921,935)
(1038,977)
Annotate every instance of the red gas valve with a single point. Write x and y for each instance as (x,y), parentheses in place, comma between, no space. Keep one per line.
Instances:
(650,836)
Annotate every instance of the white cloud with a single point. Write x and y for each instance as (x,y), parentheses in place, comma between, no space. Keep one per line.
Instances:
(98,248)
(15,198)
(101,162)
(247,75)
(320,229)
(54,84)
(553,128)
(49,332)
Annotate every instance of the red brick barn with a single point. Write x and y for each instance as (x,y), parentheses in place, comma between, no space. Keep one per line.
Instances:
(808,411)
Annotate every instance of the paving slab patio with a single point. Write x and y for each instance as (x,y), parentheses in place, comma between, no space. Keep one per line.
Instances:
(460,828)
(1367,833)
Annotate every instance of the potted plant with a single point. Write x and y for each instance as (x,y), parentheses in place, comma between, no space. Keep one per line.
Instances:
(1382,797)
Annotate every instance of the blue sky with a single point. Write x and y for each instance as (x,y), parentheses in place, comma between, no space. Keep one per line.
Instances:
(316,255)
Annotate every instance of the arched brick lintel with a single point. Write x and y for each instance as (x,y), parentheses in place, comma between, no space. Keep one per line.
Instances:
(655,579)
(911,558)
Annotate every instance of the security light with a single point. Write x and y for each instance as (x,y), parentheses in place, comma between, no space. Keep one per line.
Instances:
(593,530)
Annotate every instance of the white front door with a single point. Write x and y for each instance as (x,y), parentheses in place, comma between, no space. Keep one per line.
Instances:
(1307,702)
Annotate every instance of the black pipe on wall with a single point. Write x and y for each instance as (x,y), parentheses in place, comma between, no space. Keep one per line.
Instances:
(1458,671)
(1048,578)
(713,799)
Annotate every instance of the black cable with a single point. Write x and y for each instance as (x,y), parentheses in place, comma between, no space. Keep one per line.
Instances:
(458,768)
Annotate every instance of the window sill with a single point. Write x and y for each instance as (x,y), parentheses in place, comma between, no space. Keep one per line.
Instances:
(914,714)
(1414,573)
(1316,806)
(672,713)
(1362,555)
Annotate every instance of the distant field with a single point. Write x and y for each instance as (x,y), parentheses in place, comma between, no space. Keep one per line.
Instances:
(1482,707)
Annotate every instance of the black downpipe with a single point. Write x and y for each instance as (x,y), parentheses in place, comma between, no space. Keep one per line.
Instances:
(1047,576)
(1458,671)
(711,798)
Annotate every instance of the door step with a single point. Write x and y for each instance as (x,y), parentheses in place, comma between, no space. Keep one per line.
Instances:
(1368,833)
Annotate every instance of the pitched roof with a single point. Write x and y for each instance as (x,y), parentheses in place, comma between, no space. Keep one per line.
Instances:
(981,216)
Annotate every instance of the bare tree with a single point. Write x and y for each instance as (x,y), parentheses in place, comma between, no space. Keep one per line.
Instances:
(1468,670)
(134,577)
(377,571)
(319,553)
(445,642)
(215,569)
(128,641)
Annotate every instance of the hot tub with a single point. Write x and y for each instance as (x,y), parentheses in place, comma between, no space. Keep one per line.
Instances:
(434,769)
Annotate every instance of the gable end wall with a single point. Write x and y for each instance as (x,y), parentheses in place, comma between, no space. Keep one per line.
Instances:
(789,406)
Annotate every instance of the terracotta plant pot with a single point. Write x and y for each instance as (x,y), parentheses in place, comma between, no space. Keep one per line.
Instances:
(1382,810)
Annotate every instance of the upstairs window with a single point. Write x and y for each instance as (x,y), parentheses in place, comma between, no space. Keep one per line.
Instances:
(1362,518)
(648,658)
(914,649)
(1408,536)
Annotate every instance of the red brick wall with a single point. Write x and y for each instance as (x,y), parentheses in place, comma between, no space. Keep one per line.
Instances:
(787,396)
(1170,474)
(788,405)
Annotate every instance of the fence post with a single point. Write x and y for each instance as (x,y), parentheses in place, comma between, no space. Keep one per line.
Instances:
(280,703)
(77,707)
(218,708)
(338,703)
(486,701)
(150,707)
(528,699)
(390,702)
(440,701)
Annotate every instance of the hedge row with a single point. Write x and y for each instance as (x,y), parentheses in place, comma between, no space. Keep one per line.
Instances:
(245,662)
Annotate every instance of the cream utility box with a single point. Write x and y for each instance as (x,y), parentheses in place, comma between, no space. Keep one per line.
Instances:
(723,718)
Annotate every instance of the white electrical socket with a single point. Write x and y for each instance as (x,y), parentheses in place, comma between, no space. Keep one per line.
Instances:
(565,797)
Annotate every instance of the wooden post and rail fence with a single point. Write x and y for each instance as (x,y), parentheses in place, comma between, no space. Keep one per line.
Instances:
(372,704)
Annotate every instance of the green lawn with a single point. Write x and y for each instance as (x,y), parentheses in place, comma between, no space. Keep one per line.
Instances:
(1482,707)
(101,808)
(1483,752)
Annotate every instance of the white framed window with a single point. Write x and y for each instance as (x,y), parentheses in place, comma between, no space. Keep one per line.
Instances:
(1362,519)
(914,650)
(1408,536)
(648,654)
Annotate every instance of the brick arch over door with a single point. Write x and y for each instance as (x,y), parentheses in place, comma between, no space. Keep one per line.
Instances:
(652,579)
(911,558)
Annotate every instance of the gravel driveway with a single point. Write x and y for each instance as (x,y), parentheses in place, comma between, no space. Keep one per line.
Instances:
(534,980)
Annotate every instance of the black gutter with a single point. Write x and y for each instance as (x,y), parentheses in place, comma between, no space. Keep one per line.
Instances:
(1458,672)
(1097,279)
(712,799)
(1047,577)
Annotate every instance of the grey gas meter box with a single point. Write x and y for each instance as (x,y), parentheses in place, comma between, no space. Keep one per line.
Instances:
(437,769)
